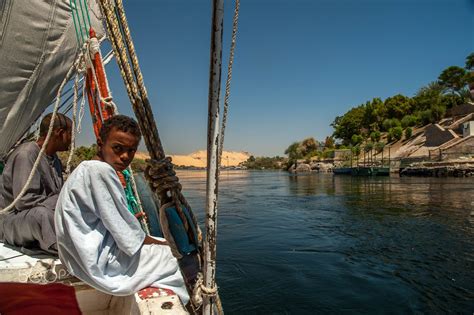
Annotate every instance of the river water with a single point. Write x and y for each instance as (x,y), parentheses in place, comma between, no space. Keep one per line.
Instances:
(320,243)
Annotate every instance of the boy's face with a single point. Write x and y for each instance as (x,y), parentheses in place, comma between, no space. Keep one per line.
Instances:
(119,149)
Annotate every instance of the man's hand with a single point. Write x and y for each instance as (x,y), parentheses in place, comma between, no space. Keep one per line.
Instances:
(150,240)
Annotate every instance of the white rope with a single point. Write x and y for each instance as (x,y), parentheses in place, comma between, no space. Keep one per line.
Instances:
(80,67)
(43,147)
(81,109)
(94,46)
(200,289)
(73,127)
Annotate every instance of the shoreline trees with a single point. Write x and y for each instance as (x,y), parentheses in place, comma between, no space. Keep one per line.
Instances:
(399,112)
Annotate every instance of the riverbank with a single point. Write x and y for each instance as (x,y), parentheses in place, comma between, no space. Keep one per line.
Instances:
(456,168)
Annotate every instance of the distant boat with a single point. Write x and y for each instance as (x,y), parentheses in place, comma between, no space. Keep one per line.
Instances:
(370,171)
(362,171)
(342,171)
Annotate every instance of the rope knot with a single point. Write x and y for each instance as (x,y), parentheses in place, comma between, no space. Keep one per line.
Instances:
(161,175)
(200,290)
(94,46)
(80,63)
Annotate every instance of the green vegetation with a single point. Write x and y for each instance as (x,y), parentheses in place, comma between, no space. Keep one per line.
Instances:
(390,123)
(310,148)
(356,150)
(375,136)
(400,112)
(409,121)
(261,163)
(379,146)
(80,154)
(396,133)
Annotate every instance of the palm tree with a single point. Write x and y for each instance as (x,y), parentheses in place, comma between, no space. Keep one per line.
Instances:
(369,146)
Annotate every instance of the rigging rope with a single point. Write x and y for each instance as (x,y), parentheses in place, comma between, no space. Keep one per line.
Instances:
(229,78)
(138,96)
(80,70)
(159,173)
(80,24)
(73,127)
(81,109)
(106,60)
(175,192)
(101,103)
(48,136)
(108,108)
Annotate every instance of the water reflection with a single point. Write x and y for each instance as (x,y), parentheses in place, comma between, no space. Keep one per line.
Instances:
(309,184)
(448,196)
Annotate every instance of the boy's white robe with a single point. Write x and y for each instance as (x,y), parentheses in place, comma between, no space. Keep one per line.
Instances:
(100,241)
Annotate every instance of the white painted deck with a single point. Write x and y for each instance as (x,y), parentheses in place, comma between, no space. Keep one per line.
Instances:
(43,269)
(13,258)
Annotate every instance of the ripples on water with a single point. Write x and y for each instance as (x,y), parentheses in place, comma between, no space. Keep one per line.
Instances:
(321,244)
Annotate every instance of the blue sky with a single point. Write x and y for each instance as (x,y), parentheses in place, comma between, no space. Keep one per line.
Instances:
(298,63)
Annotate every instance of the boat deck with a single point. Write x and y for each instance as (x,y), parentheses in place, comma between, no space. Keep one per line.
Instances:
(11,257)
(17,267)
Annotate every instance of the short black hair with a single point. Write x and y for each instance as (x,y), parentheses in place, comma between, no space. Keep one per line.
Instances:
(61,121)
(122,123)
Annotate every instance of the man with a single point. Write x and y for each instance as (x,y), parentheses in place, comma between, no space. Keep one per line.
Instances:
(30,225)
(99,240)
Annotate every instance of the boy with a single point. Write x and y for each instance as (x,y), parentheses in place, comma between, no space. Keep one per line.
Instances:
(99,240)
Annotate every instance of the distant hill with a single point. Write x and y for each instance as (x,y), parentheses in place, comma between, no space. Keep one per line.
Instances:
(198,158)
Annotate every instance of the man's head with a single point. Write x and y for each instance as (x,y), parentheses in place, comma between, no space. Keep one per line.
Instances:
(118,142)
(60,139)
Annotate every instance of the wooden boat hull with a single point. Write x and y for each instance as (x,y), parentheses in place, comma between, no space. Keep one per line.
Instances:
(370,171)
(342,171)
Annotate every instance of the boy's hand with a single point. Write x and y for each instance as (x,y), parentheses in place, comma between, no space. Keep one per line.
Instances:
(150,240)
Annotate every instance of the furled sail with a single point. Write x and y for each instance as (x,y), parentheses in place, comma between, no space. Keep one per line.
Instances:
(38,44)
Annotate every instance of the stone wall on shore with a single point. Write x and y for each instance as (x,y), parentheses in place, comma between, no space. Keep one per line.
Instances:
(440,169)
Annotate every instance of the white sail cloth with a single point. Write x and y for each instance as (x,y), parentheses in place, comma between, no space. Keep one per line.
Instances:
(37,47)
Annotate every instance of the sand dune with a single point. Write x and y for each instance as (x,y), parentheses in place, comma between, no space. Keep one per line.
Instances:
(198,158)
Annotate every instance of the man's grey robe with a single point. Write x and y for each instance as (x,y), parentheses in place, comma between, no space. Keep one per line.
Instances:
(31,223)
